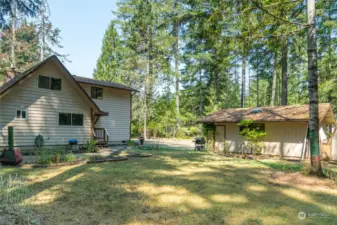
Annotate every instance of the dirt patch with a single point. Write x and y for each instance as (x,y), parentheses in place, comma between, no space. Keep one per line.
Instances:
(298,179)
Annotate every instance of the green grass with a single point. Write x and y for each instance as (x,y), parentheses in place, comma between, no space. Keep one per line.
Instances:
(172,187)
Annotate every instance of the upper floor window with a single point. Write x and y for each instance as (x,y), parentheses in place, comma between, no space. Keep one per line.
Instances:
(97,93)
(21,114)
(50,83)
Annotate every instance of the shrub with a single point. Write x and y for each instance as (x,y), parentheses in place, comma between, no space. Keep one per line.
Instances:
(131,143)
(90,146)
(252,135)
(43,157)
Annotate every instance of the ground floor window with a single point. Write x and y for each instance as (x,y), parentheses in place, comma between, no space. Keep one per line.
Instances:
(71,119)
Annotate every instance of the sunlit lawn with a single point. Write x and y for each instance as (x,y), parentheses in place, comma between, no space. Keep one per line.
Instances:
(173,187)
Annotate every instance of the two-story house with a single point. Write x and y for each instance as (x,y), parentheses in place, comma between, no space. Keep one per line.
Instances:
(47,100)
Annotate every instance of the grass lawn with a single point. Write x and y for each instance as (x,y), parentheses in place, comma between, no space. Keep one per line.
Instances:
(174,187)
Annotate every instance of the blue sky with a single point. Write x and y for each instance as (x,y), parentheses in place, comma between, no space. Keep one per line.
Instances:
(82,24)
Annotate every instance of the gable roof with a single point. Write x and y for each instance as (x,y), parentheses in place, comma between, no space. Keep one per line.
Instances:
(18,78)
(102,83)
(270,114)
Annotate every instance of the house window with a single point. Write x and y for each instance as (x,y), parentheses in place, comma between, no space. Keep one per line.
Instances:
(77,119)
(49,83)
(97,93)
(64,119)
(21,114)
(71,119)
(55,84)
(256,126)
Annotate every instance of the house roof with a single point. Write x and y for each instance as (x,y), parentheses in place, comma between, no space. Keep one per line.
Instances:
(102,83)
(270,114)
(18,78)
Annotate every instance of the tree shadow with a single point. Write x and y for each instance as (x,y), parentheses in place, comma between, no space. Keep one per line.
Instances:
(173,188)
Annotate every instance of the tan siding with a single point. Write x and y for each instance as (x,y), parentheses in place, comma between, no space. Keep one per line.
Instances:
(280,135)
(234,142)
(220,138)
(117,103)
(285,138)
(334,146)
(43,107)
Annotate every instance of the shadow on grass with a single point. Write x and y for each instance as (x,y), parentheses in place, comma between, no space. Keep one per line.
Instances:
(283,166)
(172,187)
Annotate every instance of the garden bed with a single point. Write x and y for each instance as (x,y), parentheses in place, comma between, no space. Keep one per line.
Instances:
(137,154)
(37,165)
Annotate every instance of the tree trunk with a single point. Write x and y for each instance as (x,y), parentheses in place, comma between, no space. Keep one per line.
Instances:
(13,25)
(42,32)
(313,91)
(273,89)
(243,80)
(285,72)
(257,88)
(201,106)
(177,75)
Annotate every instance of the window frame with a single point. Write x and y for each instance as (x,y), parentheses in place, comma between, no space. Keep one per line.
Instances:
(71,119)
(49,83)
(93,89)
(21,110)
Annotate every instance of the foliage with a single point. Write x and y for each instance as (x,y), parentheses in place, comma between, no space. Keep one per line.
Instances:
(49,156)
(90,146)
(207,127)
(44,157)
(252,135)
(35,36)
(214,37)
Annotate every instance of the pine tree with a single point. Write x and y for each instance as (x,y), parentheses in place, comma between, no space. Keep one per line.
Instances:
(109,62)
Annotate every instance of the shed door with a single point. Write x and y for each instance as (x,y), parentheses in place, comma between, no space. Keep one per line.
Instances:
(220,137)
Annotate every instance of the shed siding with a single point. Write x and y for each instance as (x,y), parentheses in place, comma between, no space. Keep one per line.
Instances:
(117,103)
(334,146)
(43,107)
(283,138)
(220,138)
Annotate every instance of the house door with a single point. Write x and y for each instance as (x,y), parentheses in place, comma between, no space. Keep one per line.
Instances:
(220,137)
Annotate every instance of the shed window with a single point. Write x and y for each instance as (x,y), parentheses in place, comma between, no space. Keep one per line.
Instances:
(97,93)
(49,83)
(21,114)
(256,126)
(71,119)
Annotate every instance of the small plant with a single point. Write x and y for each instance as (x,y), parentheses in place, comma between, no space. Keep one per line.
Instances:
(252,134)
(68,158)
(131,143)
(43,157)
(56,157)
(90,146)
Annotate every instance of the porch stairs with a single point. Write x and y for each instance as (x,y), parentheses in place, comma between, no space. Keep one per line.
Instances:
(101,137)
